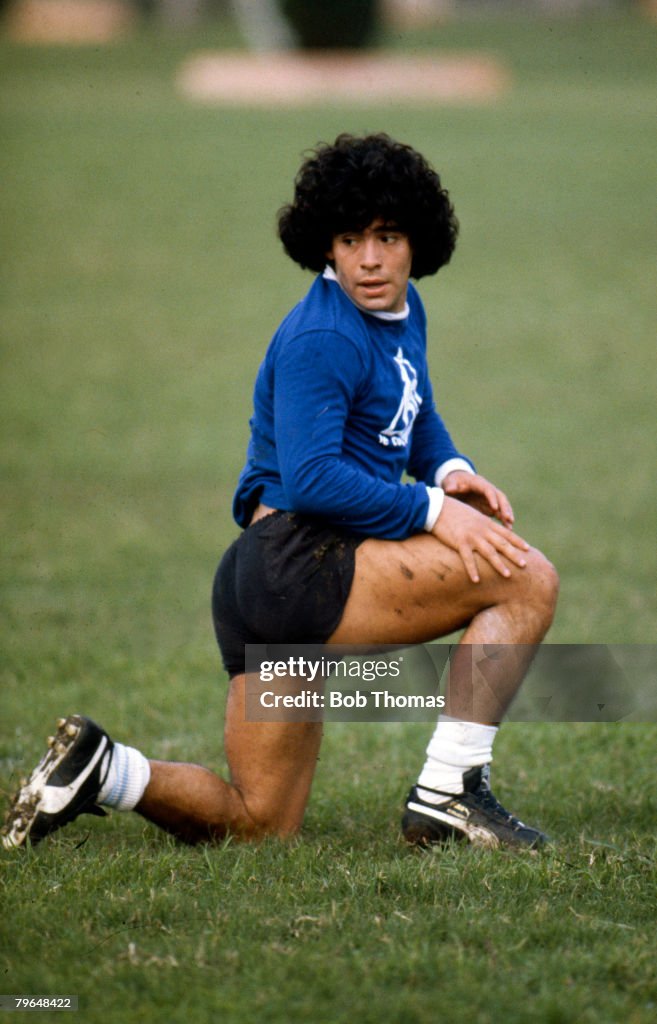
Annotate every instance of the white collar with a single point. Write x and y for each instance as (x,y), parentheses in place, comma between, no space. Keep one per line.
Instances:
(330,275)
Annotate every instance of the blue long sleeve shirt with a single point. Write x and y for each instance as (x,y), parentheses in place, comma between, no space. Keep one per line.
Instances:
(343,407)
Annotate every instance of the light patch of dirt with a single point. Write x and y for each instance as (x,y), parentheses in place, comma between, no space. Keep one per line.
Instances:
(294,80)
(68,21)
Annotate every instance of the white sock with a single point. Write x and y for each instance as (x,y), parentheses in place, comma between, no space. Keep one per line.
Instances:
(128,775)
(454,747)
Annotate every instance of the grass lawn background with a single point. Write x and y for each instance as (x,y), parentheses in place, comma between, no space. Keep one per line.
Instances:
(141,280)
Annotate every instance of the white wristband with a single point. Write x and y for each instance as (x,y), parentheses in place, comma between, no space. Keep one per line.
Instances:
(436,498)
(450,467)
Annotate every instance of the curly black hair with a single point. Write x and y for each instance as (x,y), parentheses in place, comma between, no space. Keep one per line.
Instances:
(346,185)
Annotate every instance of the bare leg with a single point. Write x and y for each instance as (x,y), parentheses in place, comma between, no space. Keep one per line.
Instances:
(417,590)
(271,764)
(413,591)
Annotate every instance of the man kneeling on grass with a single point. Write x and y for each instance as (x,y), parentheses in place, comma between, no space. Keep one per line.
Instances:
(335,549)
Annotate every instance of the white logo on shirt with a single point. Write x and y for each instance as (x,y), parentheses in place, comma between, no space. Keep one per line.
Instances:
(399,431)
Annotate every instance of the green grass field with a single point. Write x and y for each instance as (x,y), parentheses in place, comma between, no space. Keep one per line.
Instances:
(140,283)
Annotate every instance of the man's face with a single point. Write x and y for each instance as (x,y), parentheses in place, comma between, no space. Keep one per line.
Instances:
(373,266)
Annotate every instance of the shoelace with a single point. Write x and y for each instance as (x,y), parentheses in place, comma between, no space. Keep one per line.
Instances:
(491,803)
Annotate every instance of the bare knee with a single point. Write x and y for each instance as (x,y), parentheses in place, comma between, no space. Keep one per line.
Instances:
(244,820)
(539,584)
(264,818)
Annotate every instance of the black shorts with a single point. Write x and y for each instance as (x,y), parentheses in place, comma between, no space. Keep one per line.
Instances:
(286,579)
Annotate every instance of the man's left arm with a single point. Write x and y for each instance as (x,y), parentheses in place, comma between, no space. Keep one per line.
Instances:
(436,461)
(433,454)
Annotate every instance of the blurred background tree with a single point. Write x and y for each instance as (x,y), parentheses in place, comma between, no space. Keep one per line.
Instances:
(332,24)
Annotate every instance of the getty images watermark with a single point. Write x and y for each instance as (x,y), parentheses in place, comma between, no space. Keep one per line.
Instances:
(563,682)
(305,675)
